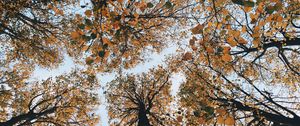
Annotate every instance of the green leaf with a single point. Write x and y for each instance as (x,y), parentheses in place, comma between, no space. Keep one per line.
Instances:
(168,4)
(101,53)
(150,5)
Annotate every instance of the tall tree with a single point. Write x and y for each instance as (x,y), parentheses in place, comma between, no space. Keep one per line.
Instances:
(140,99)
(119,32)
(31,33)
(245,60)
(31,30)
(65,100)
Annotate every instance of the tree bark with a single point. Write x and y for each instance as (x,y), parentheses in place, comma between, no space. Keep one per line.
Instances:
(27,117)
(143,119)
(280,120)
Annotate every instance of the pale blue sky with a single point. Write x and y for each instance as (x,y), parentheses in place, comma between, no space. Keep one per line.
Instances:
(68,65)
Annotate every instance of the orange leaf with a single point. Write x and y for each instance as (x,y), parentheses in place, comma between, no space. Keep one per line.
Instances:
(106,41)
(97,60)
(88,13)
(136,15)
(116,25)
(226,58)
(229,121)
(231,42)
(220,120)
(75,35)
(226,49)
(201,120)
(135,42)
(242,41)
(209,50)
(85,48)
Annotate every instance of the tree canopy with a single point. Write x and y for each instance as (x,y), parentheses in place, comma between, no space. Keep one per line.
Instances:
(241,62)
(140,99)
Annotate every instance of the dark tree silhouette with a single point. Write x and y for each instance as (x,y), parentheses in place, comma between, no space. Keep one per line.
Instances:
(140,99)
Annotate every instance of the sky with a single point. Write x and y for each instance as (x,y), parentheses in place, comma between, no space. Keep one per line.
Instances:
(104,78)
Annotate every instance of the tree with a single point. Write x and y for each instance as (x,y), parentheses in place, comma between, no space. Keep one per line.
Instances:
(120,32)
(140,99)
(242,55)
(37,33)
(245,60)
(64,100)
(31,31)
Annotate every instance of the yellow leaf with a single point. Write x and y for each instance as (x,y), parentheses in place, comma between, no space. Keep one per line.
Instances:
(229,121)
(209,24)
(248,9)
(231,41)
(85,48)
(256,42)
(244,29)
(220,120)
(236,33)
(135,42)
(88,13)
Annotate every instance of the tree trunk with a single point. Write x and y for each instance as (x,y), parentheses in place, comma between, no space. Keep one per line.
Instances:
(143,119)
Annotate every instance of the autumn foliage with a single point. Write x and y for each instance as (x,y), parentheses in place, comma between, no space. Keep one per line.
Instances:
(240,64)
